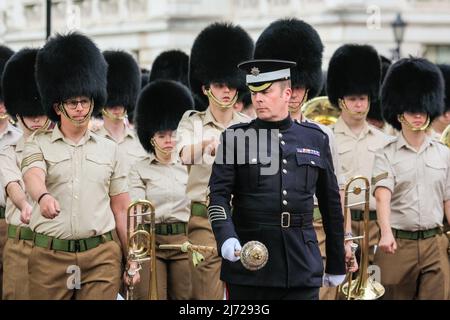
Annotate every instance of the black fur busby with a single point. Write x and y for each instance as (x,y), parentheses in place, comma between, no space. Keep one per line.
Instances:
(20,91)
(412,85)
(294,40)
(375,106)
(145,76)
(445,69)
(67,66)
(171,65)
(5,54)
(160,106)
(215,54)
(124,79)
(354,69)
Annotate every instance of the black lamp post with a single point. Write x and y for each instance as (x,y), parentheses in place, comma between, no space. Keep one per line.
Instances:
(398,26)
(49,18)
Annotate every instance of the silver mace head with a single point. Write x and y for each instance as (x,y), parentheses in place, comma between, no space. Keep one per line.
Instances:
(254,255)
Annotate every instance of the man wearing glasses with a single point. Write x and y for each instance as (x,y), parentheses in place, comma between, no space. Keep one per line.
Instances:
(76,178)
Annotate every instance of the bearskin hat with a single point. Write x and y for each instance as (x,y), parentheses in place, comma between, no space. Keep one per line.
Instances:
(156,112)
(412,85)
(445,69)
(171,65)
(124,79)
(215,54)
(294,40)
(20,91)
(354,69)
(375,106)
(68,66)
(5,54)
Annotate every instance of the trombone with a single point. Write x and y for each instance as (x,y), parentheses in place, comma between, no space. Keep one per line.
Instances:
(141,243)
(363,287)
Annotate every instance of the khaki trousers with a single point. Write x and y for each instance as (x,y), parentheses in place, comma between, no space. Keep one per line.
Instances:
(15,266)
(52,273)
(3,237)
(206,283)
(419,269)
(173,275)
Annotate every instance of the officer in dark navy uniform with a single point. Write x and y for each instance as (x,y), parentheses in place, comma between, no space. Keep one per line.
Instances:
(261,188)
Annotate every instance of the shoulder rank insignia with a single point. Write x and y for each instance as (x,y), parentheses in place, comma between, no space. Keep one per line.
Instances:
(379,177)
(30,159)
(308,151)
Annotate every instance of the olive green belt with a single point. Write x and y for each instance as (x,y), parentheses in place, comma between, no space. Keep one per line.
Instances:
(358,215)
(199,209)
(416,235)
(25,233)
(80,245)
(167,228)
(2,213)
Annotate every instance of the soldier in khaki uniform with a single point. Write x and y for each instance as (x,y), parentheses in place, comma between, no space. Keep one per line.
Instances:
(76,178)
(25,104)
(353,84)
(412,186)
(161,179)
(295,40)
(124,83)
(214,77)
(8,135)
(171,65)
(443,121)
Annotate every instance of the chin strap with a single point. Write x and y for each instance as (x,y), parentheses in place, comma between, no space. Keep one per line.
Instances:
(4,116)
(298,107)
(157,147)
(343,106)
(77,122)
(111,116)
(211,96)
(402,119)
(45,126)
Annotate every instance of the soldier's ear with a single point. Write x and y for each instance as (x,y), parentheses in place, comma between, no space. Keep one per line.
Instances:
(55,107)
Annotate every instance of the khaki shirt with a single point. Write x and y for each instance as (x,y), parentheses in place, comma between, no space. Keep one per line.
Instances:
(164,185)
(192,130)
(434,135)
(419,182)
(10,158)
(357,154)
(9,137)
(81,177)
(130,148)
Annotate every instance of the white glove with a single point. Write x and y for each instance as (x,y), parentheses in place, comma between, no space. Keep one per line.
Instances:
(228,249)
(332,280)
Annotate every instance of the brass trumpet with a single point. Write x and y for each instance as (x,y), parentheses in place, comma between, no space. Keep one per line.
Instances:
(321,110)
(141,243)
(363,287)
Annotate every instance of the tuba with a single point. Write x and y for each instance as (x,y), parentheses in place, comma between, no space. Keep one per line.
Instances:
(141,242)
(321,110)
(363,287)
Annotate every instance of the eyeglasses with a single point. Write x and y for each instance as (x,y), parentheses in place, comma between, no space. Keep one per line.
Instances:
(72,104)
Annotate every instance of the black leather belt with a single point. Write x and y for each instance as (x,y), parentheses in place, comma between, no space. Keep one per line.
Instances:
(283,219)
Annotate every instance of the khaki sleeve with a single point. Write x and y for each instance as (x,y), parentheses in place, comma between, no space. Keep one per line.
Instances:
(185,133)
(382,173)
(9,171)
(136,185)
(119,183)
(447,180)
(33,156)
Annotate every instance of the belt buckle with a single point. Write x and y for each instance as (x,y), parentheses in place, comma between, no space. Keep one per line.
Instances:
(288,224)
(77,246)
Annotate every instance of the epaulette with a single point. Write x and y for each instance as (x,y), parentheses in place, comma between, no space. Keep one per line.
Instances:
(240,125)
(390,140)
(310,125)
(189,113)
